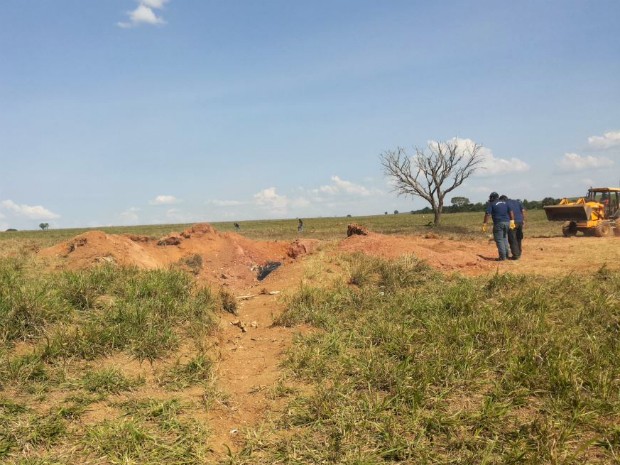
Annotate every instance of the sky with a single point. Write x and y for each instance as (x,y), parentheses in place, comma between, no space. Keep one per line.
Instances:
(123,112)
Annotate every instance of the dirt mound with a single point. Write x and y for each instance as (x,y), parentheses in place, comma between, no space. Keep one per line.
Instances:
(224,258)
(95,247)
(199,229)
(440,253)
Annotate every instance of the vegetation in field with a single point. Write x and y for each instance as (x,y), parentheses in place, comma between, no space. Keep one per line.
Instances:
(465,224)
(61,337)
(402,364)
(409,366)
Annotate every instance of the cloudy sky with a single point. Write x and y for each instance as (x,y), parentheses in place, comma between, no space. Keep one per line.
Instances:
(165,111)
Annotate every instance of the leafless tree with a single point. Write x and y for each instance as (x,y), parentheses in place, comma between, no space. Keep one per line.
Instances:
(433,174)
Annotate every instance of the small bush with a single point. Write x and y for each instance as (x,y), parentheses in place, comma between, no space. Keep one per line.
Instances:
(228,301)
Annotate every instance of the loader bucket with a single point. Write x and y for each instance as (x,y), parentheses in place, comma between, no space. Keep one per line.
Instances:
(576,213)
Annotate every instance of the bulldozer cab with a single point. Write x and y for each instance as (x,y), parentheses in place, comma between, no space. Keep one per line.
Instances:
(609,197)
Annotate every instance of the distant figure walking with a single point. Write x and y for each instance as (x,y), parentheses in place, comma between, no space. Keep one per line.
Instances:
(237,227)
(300,225)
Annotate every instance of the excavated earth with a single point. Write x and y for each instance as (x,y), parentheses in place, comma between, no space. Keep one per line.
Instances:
(215,257)
(249,348)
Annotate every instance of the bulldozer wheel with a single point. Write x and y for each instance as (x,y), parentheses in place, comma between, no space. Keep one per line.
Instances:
(602,230)
(569,229)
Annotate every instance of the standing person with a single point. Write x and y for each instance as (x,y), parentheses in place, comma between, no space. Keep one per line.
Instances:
(300,225)
(503,220)
(515,236)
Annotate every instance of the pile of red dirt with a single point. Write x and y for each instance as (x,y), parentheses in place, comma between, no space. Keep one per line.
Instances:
(443,254)
(218,257)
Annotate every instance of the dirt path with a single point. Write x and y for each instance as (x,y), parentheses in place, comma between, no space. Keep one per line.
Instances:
(251,351)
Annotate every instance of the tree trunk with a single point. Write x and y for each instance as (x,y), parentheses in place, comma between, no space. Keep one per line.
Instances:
(438,209)
(437,216)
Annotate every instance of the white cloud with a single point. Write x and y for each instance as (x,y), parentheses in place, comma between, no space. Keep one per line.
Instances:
(491,165)
(144,14)
(339,186)
(130,215)
(575,162)
(334,198)
(606,141)
(225,203)
(36,212)
(159,4)
(271,200)
(164,200)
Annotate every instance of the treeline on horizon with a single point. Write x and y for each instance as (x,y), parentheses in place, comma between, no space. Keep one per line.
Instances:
(462,204)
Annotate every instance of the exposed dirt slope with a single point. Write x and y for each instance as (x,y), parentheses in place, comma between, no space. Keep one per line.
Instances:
(223,258)
(477,257)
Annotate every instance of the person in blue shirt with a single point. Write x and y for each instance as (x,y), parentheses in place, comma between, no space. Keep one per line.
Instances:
(503,221)
(515,236)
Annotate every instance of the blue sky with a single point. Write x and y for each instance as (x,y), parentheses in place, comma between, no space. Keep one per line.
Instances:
(152,111)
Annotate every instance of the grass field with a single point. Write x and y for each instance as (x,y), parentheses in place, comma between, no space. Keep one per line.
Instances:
(408,366)
(463,225)
(399,363)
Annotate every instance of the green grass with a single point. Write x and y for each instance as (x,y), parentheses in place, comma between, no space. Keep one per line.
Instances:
(149,432)
(198,370)
(92,313)
(55,331)
(109,381)
(403,364)
(408,366)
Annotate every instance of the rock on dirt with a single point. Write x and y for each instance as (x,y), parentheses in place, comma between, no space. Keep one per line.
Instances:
(357,230)
(170,240)
(301,247)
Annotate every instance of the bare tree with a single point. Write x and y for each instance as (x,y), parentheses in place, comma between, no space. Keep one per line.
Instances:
(433,174)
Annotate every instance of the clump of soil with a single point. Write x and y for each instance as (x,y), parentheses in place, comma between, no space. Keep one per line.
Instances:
(356,230)
(301,247)
(170,240)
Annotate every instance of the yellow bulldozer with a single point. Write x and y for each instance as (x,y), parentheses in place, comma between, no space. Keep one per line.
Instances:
(597,214)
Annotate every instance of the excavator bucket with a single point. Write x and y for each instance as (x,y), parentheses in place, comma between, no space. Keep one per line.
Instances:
(577,213)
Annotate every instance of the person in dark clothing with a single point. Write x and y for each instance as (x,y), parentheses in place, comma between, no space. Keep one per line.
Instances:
(237,227)
(503,221)
(300,225)
(515,236)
